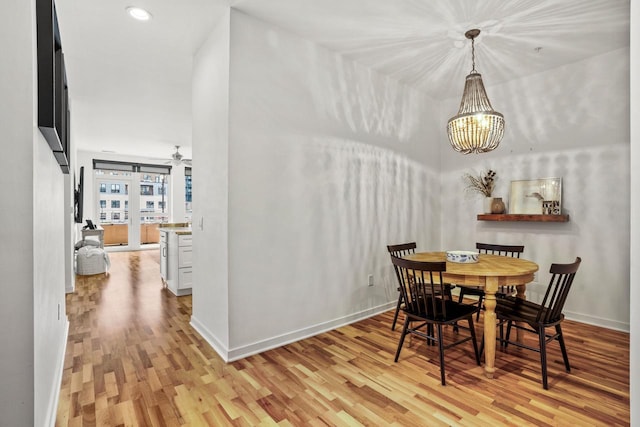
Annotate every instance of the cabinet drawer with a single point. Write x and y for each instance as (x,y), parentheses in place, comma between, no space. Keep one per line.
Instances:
(185,257)
(184,240)
(185,278)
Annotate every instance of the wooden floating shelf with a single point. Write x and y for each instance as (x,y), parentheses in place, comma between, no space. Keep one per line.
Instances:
(523,217)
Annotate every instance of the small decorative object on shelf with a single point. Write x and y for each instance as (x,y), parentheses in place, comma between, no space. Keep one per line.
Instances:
(486,205)
(542,196)
(497,206)
(551,207)
(483,185)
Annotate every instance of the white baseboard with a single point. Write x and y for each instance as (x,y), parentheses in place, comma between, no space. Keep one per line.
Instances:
(230,355)
(597,321)
(210,338)
(52,410)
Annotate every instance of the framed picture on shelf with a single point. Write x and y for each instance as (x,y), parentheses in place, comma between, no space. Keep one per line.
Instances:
(541,196)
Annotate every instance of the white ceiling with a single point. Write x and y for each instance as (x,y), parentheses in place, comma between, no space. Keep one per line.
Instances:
(130,81)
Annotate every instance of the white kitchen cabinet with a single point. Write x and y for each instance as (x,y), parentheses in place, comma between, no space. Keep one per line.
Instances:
(163,256)
(176,260)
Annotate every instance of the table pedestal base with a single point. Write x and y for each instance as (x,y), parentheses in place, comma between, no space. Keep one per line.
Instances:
(490,326)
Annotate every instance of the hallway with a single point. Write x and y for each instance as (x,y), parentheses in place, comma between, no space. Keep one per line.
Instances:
(129,344)
(132,359)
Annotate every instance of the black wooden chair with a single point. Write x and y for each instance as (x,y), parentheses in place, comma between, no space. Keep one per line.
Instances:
(537,318)
(425,303)
(503,250)
(403,250)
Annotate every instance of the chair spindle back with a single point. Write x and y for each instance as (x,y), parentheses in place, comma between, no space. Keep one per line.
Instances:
(421,286)
(402,250)
(513,251)
(562,276)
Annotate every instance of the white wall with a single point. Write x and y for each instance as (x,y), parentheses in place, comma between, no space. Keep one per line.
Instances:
(328,163)
(16,217)
(210,120)
(71,181)
(49,260)
(571,122)
(177,210)
(634,300)
(32,253)
(69,232)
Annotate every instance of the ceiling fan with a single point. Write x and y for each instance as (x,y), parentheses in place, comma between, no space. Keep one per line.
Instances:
(177,158)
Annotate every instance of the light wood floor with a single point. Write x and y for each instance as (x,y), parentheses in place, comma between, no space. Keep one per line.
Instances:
(132,359)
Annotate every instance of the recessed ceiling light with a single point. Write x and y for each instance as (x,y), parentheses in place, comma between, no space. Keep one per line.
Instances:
(138,13)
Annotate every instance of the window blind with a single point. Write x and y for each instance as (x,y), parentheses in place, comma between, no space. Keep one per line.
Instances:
(112,165)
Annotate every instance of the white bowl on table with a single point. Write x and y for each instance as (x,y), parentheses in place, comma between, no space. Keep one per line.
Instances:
(462,257)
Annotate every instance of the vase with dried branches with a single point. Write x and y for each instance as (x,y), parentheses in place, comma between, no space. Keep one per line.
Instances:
(482,184)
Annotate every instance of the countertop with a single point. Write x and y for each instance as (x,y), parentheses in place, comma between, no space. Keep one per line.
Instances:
(179,230)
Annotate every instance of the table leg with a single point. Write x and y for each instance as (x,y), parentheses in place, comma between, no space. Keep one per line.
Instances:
(490,326)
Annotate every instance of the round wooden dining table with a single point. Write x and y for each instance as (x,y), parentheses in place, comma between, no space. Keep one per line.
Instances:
(490,272)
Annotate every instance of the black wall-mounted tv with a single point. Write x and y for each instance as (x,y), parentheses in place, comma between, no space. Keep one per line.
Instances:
(78,197)
(53,90)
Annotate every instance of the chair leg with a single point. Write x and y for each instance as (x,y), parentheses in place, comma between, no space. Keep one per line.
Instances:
(395,316)
(482,346)
(461,295)
(441,346)
(563,348)
(543,356)
(479,307)
(506,340)
(404,334)
(473,339)
(460,298)
(430,333)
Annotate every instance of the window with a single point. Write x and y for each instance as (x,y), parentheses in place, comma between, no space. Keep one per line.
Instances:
(162,190)
(115,204)
(187,188)
(126,204)
(115,216)
(103,188)
(146,190)
(115,188)
(126,215)
(103,203)
(150,204)
(103,216)
(162,205)
(187,191)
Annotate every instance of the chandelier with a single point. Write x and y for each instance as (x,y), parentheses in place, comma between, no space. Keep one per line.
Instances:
(477,128)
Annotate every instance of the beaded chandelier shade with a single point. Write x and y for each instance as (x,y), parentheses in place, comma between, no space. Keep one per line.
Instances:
(477,128)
